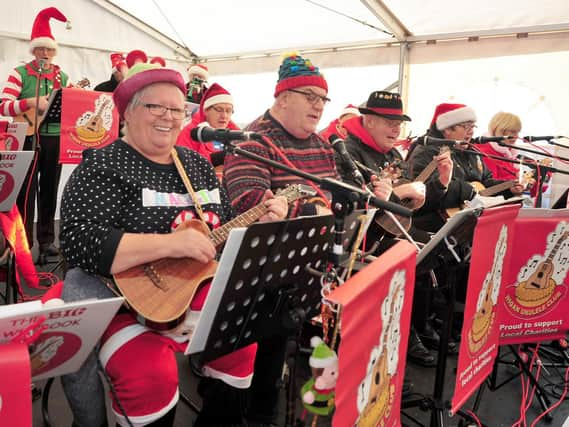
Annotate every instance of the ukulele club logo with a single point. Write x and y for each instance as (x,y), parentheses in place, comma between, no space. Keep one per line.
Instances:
(486,306)
(92,127)
(6,185)
(539,285)
(377,390)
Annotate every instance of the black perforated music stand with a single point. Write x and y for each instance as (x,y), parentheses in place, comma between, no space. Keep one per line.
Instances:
(262,284)
(53,112)
(447,247)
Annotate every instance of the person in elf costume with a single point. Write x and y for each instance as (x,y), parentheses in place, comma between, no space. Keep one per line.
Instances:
(27,88)
(318,392)
(198,75)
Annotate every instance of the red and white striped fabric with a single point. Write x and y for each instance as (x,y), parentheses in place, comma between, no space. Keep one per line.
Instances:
(141,364)
(10,105)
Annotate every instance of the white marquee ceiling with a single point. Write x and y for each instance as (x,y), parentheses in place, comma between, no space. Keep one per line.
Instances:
(227,27)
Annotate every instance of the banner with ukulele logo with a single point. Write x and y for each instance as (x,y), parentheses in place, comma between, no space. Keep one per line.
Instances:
(375,321)
(88,120)
(534,307)
(491,249)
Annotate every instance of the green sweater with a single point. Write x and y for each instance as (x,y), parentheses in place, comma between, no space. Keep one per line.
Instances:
(48,82)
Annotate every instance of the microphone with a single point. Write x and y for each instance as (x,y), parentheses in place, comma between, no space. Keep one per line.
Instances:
(340,148)
(486,139)
(540,138)
(41,63)
(206,134)
(432,141)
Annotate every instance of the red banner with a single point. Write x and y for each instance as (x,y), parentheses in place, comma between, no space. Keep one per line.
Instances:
(534,307)
(16,386)
(491,248)
(375,321)
(88,120)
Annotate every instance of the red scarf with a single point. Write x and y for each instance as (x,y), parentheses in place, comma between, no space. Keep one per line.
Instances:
(355,127)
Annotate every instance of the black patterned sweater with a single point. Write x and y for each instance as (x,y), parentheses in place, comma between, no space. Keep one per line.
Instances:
(116,190)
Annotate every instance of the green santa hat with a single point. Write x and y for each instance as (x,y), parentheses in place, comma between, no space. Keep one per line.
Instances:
(322,356)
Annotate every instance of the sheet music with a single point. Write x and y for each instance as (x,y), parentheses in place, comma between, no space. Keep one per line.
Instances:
(71,331)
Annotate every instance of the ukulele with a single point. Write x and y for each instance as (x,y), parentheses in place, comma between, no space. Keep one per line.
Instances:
(387,223)
(540,285)
(29,116)
(483,191)
(161,291)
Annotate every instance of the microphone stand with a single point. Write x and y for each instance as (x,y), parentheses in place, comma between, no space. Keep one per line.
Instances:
(502,144)
(336,187)
(551,142)
(35,138)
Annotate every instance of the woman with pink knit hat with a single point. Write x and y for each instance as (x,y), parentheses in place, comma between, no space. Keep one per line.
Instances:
(123,208)
(216,110)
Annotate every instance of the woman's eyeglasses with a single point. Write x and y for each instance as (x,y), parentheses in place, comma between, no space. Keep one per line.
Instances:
(159,110)
(467,126)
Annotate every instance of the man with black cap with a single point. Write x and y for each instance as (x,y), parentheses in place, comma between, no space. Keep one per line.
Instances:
(370,142)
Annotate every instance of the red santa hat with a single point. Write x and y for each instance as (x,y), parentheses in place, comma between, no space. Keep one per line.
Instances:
(117,61)
(134,57)
(158,60)
(216,95)
(199,69)
(41,31)
(350,109)
(447,115)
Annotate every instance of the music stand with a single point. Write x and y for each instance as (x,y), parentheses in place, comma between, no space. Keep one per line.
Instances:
(53,112)
(445,248)
(561,202)
(263,286)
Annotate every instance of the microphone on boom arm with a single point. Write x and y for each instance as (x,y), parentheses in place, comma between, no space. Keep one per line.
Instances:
(437,142)
(207,134)
(340,148)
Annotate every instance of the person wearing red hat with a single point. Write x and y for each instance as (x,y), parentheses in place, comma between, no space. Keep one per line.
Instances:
(27,90)
(216,109)
(198,75)
(158,60)
(135,57)
(335,127)
(455,122)
(119,69)
(119,210)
